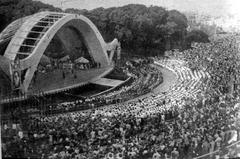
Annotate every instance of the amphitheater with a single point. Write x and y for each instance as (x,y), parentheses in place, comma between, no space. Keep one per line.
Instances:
(162,109)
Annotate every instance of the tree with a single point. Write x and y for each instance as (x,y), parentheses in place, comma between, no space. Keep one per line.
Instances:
(138,27)
(196,36)
(11,10)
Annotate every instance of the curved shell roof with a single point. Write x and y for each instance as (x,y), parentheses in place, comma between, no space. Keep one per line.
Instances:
(30,36)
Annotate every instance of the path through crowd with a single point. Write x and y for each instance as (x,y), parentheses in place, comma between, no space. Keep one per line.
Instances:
(169,78)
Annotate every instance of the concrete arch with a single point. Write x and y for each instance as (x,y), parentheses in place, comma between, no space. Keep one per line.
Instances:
(94,40)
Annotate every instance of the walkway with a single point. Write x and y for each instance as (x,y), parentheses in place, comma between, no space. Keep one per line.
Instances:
(169,78)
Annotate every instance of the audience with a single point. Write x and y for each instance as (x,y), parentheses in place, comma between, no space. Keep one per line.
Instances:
(198,115)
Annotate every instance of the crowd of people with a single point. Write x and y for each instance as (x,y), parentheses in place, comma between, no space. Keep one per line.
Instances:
(198,115)
(219,58)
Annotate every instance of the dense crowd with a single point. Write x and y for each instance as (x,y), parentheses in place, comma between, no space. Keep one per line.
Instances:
(198,115)
(219,58)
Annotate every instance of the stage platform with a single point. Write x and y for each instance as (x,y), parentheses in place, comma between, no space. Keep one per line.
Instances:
(108,82)
(53,82)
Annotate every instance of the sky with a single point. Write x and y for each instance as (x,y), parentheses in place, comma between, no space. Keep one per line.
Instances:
(212,7)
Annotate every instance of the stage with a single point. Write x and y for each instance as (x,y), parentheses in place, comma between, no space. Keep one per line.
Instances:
(53,82)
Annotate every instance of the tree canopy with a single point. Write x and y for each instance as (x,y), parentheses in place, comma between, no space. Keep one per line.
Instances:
(196,36)
(140,29)
(11,10)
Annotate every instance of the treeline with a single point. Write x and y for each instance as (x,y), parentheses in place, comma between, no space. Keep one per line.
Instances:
(141,30)
(11,10)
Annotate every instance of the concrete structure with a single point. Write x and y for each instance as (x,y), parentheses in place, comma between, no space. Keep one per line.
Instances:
(26,39)
(108,82)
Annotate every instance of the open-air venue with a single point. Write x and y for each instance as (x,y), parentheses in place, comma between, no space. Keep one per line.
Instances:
(106,79)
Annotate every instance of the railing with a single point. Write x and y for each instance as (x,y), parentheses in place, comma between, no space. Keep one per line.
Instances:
(217,153)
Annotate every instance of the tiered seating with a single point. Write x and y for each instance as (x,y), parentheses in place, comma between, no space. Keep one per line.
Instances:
(188,82)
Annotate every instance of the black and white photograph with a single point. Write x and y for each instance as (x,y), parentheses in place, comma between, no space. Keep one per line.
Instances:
(120,79)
